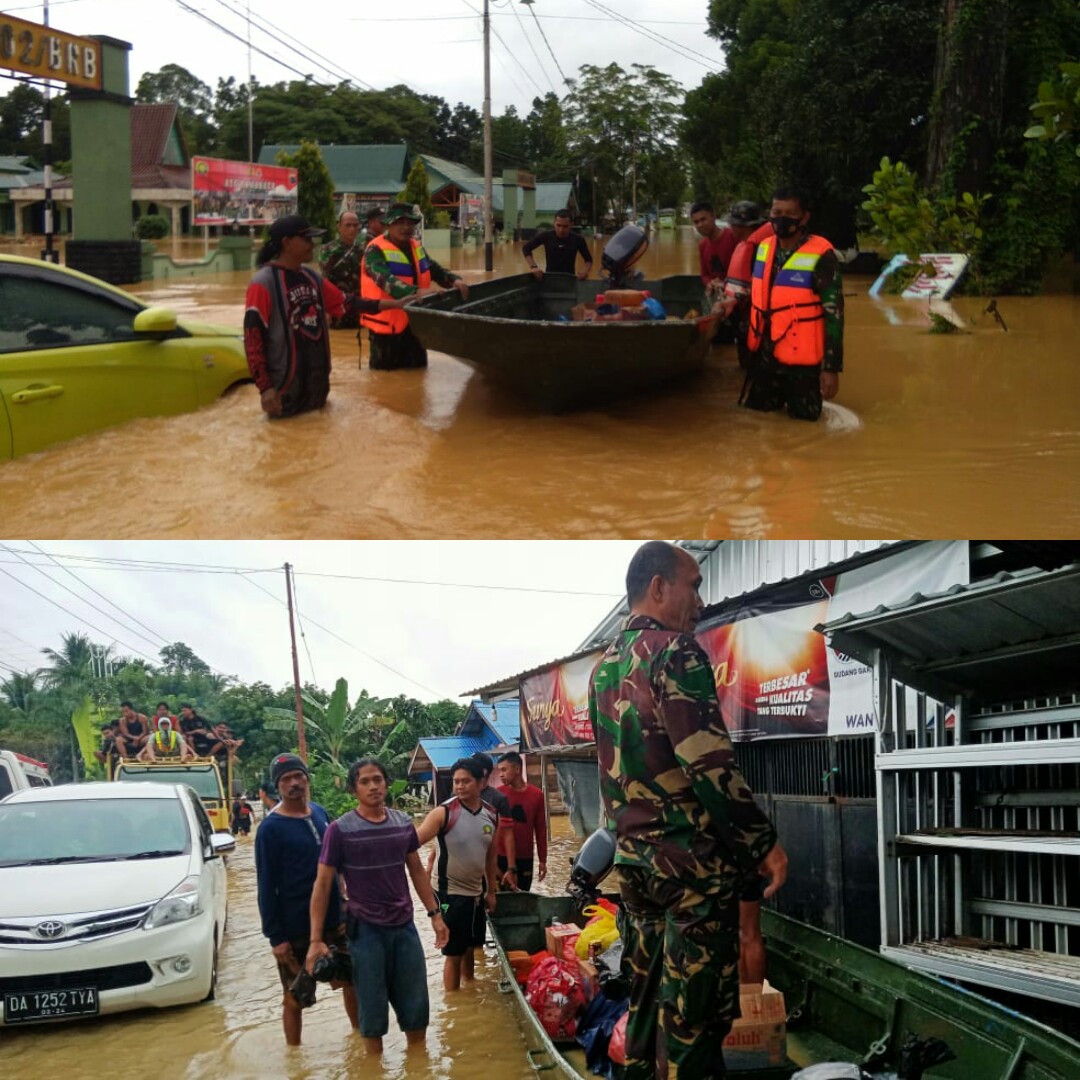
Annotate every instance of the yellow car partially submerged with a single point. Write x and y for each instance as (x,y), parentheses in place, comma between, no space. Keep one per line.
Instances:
(78,355)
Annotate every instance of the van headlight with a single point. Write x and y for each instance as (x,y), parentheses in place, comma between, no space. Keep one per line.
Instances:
(181,904)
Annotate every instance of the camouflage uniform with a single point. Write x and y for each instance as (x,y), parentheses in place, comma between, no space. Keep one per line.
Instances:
(772,385)
(687,830)
(340,264)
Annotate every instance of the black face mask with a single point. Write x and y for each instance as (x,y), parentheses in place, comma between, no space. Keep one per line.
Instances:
(784,227)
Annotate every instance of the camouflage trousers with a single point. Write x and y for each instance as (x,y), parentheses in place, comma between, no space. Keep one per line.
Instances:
(772,386)
(683,952)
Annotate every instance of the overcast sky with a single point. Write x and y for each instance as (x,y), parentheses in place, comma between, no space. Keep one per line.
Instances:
(436,48)
(441,640)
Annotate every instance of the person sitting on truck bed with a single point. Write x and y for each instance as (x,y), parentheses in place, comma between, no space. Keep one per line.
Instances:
(134,730)
(228,740)
(166,743)
(196,729)
(108,749)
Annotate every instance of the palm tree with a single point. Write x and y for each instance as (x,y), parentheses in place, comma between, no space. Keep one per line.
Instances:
(20,691)
(332,725)
(71,664)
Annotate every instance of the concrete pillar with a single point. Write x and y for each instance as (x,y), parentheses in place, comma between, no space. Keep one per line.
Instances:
(102,243)
(510,202)
(174,214)
(528,207)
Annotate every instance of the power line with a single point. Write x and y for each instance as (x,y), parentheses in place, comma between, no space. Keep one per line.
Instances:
(306,51)
(659,39)
(79,618)
(532,8)
(327,630)
(159,566)
(532,47)
(125,613)
(303,636)
(512,54)
(81,599)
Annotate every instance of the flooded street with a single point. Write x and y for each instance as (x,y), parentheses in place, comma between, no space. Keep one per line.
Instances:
(474,1032)
(931,435)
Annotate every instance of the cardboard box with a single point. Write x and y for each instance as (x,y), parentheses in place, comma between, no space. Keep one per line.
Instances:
(758,1036)
(562,939)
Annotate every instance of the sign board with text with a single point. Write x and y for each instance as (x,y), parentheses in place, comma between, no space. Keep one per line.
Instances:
(239,193)
(41,51)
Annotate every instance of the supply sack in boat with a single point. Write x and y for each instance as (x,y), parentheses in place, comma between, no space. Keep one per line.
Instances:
(555,993)
(616,1047)
(602,931)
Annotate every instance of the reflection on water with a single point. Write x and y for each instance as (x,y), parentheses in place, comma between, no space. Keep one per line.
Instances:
(474,1032)
(931,435)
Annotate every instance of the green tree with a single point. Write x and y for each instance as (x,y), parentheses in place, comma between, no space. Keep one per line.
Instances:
(21,690)
(179,658)
(21,113)
(622,127)
(1057,110)
(193,98)
(71,663)
(316,194)
(416,189)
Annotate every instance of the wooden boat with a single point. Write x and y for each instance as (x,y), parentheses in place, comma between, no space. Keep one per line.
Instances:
(844,1003)
(512,330)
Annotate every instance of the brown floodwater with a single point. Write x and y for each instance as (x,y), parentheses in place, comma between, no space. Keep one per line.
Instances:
(931,435)
(474,1032)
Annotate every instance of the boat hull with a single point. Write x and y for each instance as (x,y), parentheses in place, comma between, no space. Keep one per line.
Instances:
(844,1003)
(510,330)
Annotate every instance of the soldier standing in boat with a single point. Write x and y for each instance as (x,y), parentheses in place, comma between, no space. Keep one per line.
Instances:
(397,267)
(686,825)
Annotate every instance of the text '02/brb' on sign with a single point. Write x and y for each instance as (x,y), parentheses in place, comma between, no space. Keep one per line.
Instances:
(39,50)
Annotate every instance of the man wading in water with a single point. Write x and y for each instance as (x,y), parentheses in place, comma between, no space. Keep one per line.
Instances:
(285,334)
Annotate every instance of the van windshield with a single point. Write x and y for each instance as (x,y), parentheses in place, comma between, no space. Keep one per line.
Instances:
(91,830)
(202,778)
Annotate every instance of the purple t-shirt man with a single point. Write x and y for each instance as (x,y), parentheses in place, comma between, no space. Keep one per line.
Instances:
(371,856)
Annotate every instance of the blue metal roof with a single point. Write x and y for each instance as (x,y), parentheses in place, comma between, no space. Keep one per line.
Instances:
(443,752)
(503,726)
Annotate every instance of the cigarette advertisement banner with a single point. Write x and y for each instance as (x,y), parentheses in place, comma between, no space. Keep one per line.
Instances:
(775,674)
(239,193)
(555,704)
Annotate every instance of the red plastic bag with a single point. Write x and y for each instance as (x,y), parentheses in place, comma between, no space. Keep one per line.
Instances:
(557,996)
(616,1047)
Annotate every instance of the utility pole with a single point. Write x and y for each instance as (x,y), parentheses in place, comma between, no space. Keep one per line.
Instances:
(301,741)
(489,259)
(251,118)
(48,255)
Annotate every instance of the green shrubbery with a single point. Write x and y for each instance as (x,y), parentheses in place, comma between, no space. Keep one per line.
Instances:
(152,227)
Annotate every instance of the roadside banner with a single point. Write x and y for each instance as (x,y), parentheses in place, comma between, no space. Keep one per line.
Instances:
(470,212)
(86,722)
(776,676)
(948,270)
(555,704)
(239,193)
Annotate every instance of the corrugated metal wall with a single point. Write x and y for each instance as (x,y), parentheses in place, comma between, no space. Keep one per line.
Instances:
(736,567)
(731,568)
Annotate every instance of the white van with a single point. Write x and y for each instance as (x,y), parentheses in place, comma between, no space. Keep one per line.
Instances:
(112,897)
(18,772)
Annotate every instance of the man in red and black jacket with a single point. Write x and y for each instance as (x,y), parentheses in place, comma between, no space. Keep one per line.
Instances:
(285,330)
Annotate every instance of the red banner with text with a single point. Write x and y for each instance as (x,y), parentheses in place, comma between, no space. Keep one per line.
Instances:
(239,193)
(555,704)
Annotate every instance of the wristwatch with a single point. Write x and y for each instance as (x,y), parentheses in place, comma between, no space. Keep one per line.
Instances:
(433,913)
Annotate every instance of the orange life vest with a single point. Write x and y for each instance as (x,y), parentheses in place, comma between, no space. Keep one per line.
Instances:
(741,267)
(415,271)
(788,311)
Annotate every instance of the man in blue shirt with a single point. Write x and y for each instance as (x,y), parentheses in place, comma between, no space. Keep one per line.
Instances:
(287,847)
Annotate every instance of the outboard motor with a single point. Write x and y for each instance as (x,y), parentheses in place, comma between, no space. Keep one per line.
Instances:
(620,253)
(591,865)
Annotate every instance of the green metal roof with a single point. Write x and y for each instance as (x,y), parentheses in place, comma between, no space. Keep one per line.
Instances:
(366,170)
(12,164)
(549,196)
(442,172)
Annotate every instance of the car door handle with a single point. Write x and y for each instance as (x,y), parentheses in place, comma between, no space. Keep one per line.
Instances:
(34,393)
